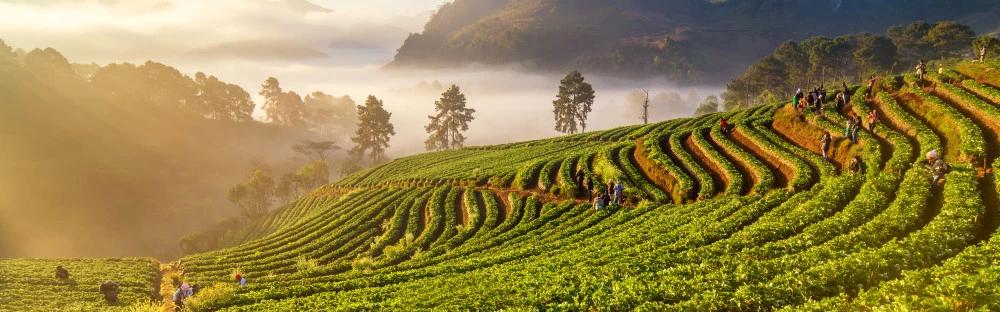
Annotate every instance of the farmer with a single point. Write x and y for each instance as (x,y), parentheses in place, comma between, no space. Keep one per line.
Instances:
(871,87)
(599,202)
(61,273)
(921,69)
(241,280)
(857,165)
(179,299)
(619,192)
(849,126)
(824,141)
(796,98)
(109,290)
(982,54)
(846,91)
(841,101)
(937,167)
(872,119)
(724,125)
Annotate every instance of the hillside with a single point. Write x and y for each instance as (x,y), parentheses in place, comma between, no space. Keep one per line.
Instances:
(85,160)
(752,220)
(682,40)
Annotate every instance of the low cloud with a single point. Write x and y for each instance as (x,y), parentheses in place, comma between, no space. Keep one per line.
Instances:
(180,31)
(277,49)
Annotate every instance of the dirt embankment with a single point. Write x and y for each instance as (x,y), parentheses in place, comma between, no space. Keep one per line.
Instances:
(790,126)
(719,177)
(783,172)
(656,174)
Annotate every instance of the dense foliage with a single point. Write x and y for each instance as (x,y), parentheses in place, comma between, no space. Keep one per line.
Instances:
(680,40)
(823,61)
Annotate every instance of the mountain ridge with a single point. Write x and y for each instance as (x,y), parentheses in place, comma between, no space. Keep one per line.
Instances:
(681,40)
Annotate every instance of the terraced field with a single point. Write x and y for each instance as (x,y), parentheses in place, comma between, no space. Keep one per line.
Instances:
(752,220)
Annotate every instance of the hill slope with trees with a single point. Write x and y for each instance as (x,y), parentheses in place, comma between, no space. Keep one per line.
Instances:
(92,153)
(682,40)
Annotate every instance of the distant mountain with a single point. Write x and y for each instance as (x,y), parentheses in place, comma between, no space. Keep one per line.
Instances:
(683,40)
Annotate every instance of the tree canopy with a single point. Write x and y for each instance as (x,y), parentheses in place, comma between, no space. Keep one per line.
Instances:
(451,119)
(573,103)
(373,131)
(822,61)
(315,150)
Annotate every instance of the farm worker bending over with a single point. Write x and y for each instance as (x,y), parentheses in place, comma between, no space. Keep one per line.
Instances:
(599,202)
(241,280)
(857,166)
(109,290)
(61,273)
(937,166)
(179,299)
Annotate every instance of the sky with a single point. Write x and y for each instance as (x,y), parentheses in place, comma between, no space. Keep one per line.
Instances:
(334,46)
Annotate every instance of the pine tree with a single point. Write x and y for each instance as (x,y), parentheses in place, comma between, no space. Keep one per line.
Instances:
(445,128)
(282,108)
(573,103)
(373,132)
(271,91)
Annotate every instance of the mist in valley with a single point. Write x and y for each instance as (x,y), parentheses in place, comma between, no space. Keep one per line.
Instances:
(162,183)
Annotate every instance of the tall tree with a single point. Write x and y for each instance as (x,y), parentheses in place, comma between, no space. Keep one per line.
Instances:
(645,107)
(271,91)
(445,128)
(573,103)
(373,132)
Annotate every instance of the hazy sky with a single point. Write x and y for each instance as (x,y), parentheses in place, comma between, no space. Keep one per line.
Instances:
(282,30)
(334,46)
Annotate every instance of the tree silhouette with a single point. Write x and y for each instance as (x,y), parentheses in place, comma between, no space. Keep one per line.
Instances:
(271,91)
(445,128)
(315,151)
(573,103)
(645,107)
(330,115)
(373,132)
(219,100)
(282,108)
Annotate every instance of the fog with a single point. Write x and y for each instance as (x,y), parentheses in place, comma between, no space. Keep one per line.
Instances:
(511,104)
(338,47)
(334,46)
